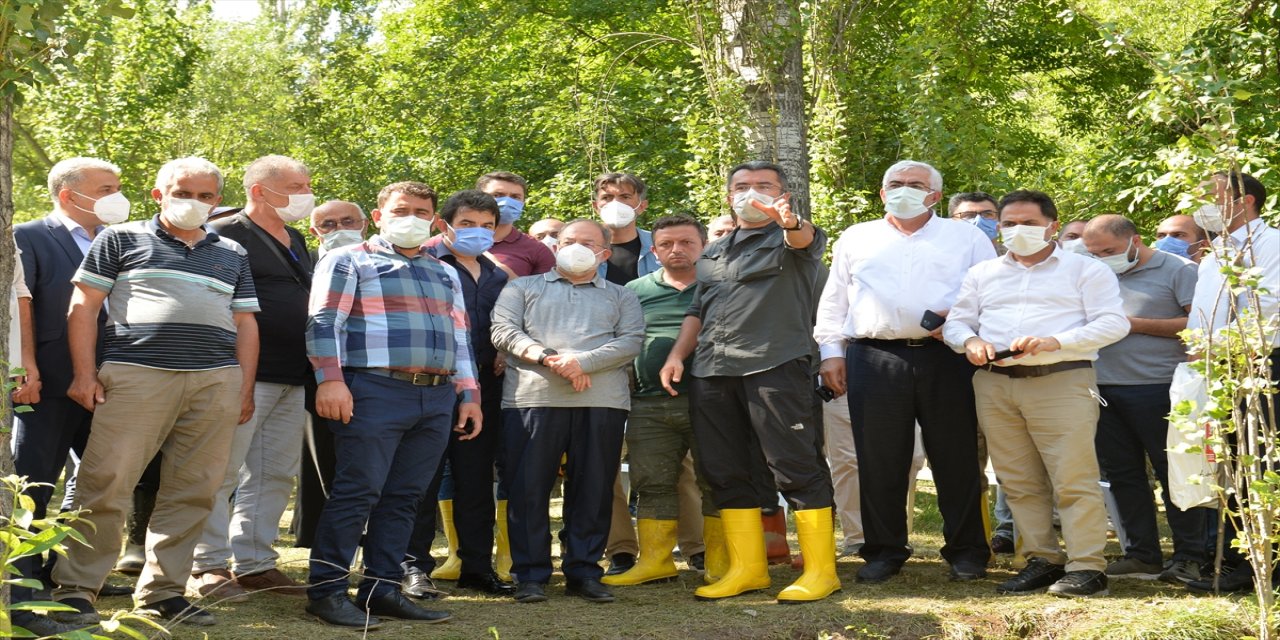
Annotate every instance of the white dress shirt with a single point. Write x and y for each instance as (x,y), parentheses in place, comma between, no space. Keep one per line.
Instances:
(1210,306)
(1071,297)
(883,280)
(78,233)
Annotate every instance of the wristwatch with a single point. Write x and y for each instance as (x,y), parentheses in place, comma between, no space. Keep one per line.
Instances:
(546,352)
(799,225)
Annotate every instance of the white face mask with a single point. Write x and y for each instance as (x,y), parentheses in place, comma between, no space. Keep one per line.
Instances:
(300,205)
(905,202)
(550,242)
(340,238)
(617,215)
(1075,246)
(406,232)
(109,209)
(743,205)
(1024,240)
(576,259)
(185,213)
(1120,262)
(1209,217)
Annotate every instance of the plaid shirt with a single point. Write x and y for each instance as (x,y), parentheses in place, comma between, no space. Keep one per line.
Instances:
(373,307)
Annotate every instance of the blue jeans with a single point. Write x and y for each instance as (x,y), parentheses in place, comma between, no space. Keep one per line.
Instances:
(387,456)
(1131,430)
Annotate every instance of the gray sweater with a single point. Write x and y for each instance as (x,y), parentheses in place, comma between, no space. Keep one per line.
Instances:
(600,323)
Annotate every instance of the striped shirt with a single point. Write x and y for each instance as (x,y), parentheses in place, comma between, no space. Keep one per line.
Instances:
(169,306)
(373,307)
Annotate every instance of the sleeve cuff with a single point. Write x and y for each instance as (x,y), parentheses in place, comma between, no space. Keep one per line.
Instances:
(832,350)
(470,396)
(325,374)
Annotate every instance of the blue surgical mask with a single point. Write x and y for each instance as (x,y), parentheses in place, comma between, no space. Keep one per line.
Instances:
(987,225)
(1170,244)
(509,210)
(471,241)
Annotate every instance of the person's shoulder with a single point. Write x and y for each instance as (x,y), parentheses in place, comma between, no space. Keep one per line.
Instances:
(33,226)
(231,245)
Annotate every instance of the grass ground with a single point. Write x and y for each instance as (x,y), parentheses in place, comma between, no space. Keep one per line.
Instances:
(920,603)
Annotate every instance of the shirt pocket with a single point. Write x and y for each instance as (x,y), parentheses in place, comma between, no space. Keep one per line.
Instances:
(763,261)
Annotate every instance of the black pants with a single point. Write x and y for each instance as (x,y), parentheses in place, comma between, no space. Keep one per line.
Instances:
(1133,428)
(891,387)
(472,464)
(312,485)
(736,420)
(1231,557)
(533,442)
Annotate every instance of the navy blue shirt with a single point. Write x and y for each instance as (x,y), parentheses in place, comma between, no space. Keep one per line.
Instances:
(480,296)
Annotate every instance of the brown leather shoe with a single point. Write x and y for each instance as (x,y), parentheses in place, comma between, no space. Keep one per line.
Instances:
(273,581)
(215,585)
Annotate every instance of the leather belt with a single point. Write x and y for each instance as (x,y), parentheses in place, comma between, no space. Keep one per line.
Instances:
(1036,371)
(420,379)
(903,342)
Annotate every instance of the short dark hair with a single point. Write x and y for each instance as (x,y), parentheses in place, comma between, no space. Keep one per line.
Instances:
(1113,224)
(1047,208)
(504,176)
(1252,187)
(409,188)
(758,165)
(615,179)
(679,220)
(604,230)
(969,196)
(473,199)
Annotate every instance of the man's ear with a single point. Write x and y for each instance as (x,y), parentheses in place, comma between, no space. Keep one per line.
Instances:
(376,214)
(157,196)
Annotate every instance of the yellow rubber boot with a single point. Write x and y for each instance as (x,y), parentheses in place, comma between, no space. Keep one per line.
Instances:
(502,559)
(748,565)
(817,533)
(715,558)
(452,566)
(657,538)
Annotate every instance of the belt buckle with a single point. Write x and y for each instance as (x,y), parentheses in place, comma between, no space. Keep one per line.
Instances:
(422,379)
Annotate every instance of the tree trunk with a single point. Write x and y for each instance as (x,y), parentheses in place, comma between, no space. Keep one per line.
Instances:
(7,255)
(763,44)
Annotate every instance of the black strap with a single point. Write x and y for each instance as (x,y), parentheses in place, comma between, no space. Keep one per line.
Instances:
(305,280)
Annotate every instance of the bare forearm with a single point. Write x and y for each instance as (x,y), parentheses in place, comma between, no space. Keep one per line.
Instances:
(27,326)
(247,346)
(82,339)
(688,338)
(1161,327)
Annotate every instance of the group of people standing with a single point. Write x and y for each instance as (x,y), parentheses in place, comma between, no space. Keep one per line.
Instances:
(451,365)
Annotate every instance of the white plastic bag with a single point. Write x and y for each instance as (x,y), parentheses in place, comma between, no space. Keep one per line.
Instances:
(1184,465)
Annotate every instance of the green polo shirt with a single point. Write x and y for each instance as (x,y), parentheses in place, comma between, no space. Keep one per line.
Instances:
(664,307)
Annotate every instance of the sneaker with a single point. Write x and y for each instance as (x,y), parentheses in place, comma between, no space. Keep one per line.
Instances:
(272,580)
(698,561)
(83,615)
(1134,568)
(1001,544)
(178,610)
(1038,574)
(217,585)
(1081,584)
(1181,572)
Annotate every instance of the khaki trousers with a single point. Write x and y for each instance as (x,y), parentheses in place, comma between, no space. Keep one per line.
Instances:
(190,416)
(622,533)
(1040,434)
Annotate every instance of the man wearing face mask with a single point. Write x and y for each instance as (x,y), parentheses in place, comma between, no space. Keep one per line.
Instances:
(620,198)
(570,335)
(978,209)
(1055,309)
(86,197)
(389,340)
(179,359)
(518,251)
(469,218)
(1072,237)
(1182,237)
(751,390)
(885,275)
(267,449)
(338,223)
(1134,375)
(1233,212)
(546,231)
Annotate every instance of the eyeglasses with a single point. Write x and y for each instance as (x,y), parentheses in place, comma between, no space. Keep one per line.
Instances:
(895,184)
(589,245)
(761,187)
(988,214)
(349,224)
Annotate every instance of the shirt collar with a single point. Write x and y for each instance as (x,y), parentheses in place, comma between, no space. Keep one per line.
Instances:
(1239,236)
(554,274)
(380,245)
(1056,255)
(153,225)
(512,237)
(73,226)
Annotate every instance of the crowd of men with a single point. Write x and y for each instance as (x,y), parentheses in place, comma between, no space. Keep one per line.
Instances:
(452,369)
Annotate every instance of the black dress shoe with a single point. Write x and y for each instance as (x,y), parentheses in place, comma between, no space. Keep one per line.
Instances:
(967,571)
(488,583)
(178,610)
(698,561)
(620,563)
(417,584)
(1038,574)
(530,592)
(40,625)
(395,606)
(1237,580)
(878,571)
(1001,544)
(338,610)
(588,589)
(114,591)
